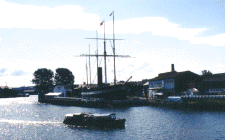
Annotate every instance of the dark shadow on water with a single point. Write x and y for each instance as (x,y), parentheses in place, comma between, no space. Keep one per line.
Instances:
(91,128)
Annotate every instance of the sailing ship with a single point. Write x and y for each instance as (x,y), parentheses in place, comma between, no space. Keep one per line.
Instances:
(104,90)
(113,92)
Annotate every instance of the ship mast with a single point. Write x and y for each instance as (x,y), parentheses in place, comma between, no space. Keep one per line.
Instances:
(114,51)
(86,70)
(89,64)
(97,47)
(105,54)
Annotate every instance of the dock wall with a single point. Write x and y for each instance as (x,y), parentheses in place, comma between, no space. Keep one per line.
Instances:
(95,104)
(193,104)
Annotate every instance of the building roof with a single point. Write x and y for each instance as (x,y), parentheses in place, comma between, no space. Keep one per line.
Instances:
(146,84)
(69,115)
(216,77)
(101,115)
(170,75)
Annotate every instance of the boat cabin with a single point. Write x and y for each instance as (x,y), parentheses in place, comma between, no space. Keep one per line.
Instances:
(94,119)
(104,116)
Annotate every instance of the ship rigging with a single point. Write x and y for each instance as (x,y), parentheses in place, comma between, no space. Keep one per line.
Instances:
(105,54)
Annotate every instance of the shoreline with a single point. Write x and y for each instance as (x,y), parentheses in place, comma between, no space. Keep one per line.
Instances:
(95,104)
(204,105)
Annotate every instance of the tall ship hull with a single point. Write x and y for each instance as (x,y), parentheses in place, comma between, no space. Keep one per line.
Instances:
(115,92)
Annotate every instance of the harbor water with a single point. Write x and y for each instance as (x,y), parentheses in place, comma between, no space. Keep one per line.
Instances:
(25,118)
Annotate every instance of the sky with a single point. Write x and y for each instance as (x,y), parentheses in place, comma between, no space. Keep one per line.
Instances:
(156,33)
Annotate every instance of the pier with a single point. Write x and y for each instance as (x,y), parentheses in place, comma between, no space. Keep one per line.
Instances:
(96,103)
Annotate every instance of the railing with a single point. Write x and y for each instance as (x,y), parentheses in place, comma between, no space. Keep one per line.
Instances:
(199,97)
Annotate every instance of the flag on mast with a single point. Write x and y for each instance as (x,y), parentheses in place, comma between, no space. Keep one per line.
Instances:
(102,22)
(111,13)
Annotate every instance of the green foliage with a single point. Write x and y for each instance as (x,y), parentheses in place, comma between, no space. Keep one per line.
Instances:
(201,84)
(6,92)
(64,76)
(201,87)
(206,73)
(43,79)
(181,84)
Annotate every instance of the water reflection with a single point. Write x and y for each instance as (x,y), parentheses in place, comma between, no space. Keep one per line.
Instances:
(25,118)
(92,128)
(27,122)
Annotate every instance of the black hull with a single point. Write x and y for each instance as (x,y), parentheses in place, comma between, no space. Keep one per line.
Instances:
(118,92)
(94,120)
(120,123)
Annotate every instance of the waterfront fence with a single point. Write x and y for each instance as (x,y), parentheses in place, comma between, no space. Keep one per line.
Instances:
(203,97)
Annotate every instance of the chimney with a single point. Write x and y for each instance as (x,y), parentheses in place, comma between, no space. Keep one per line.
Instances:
(99,76)
(172,68)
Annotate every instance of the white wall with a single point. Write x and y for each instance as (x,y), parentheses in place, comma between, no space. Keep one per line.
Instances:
(61,89)
(166,84)
(151,93)
(155,84)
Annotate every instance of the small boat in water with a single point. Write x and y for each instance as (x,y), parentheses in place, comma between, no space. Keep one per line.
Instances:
(95,120)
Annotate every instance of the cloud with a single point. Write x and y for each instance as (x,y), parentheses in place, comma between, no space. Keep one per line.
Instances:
(73,17)
(2,70)
(144,65)
(216,40)
(162,27)
(18,73)
(38,17)
(156,25)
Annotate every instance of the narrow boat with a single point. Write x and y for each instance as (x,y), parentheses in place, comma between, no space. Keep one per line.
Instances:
(95,120)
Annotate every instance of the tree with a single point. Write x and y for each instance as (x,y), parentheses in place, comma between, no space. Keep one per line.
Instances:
(64,76)
(202,86)
(6,92)
(43,78)
(181,84)
(206,73)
